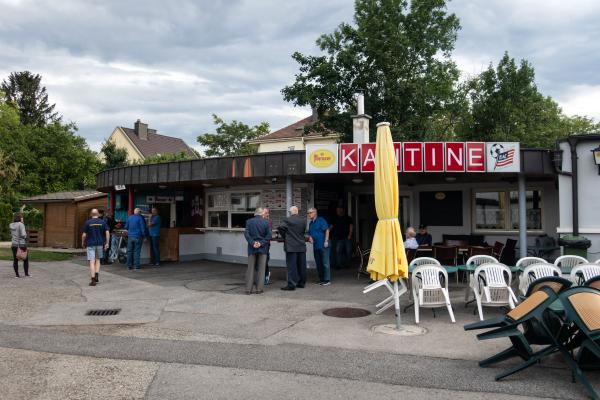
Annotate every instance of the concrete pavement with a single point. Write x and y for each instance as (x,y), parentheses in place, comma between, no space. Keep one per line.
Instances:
(190,330)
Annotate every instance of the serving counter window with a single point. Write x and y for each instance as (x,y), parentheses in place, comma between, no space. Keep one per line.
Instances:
(499,210)
(232,208)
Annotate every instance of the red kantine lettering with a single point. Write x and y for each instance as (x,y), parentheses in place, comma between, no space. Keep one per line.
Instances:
(434,156)
(349,158)
(475,156)
(412,157)
(367,153)
(455,157)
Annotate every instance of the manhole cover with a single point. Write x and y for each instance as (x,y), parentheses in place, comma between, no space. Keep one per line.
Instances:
(103,313)
(346,312)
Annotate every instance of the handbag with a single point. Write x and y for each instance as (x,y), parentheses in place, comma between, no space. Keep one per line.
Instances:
(21,254)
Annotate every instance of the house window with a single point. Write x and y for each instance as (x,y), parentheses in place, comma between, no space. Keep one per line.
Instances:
(231,210)
(499,210)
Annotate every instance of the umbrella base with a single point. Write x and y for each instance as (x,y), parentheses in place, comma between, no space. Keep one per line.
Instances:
(405,330)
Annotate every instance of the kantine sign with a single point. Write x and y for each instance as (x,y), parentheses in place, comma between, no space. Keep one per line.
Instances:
(416,157)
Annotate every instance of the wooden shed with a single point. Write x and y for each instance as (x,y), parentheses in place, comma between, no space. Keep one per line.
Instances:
(64,215)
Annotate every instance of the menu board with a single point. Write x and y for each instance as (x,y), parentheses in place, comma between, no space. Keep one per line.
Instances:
(274,199)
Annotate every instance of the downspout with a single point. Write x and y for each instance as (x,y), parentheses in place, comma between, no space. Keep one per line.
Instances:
(573,174)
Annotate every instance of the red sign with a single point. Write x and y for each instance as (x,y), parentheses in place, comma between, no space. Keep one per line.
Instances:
(434,157)
(412,155)
(455,157)
(367,155)
(349,158)
(398,154)
(475,157)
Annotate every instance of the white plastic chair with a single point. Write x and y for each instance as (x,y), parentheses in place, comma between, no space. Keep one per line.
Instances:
(584,272)
(526,261)
(428,291)
(597,261)
(536,271)
(491,288)
(569,261)
(389,301)
(424,261)
(475,261)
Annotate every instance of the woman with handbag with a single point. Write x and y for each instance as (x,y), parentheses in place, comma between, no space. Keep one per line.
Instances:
(19,244)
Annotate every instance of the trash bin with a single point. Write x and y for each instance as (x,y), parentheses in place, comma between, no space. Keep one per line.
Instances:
(575,245)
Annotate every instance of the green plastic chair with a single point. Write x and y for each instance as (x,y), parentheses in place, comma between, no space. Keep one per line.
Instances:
(533,317)
(582,312)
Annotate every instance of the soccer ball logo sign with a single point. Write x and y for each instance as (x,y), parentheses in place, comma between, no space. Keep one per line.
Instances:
(502,156)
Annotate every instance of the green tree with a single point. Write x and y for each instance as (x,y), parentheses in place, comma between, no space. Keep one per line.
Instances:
(24,90)
(505,104)
(114,157)
(398,53)
(231,139)
(162,158)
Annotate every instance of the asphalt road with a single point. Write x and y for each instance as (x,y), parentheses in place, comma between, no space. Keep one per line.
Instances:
(369,367)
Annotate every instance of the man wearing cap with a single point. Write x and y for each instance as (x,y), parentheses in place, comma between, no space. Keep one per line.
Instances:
(423,237)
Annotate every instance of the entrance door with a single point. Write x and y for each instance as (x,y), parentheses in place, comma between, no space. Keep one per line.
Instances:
(364,216)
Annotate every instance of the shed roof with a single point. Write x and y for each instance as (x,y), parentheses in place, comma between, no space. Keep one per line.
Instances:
(72,196)
(158,144)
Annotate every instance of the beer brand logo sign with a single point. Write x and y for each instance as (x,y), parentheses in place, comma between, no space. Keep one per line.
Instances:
(322,158)
(411,157)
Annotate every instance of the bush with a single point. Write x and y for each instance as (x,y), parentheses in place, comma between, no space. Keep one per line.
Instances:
(34,218)
(6,217)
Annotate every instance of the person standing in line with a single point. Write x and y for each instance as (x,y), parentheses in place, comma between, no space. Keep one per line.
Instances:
(258,235)
(154,231)
(318,235)
(267,216)
(342,230)
(95,239)
(294,244)
(136,231)
(18,235)
(423,237)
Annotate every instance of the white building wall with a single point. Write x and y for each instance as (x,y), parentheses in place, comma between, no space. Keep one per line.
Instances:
(588,193)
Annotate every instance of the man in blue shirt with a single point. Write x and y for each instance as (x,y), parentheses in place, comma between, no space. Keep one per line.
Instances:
(154,231)
(136,231)
(95,239)
(258,236)
(318,232)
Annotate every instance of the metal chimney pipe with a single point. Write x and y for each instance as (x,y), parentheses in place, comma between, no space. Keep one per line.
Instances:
(360,106)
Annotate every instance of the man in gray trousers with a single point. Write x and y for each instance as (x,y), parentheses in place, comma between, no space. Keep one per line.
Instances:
(294,244)
(258,235)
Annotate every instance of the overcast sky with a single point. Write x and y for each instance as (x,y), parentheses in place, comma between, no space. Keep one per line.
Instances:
(173,64)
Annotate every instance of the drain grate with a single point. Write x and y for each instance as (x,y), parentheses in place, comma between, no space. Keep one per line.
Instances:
(104,312)
(346,312)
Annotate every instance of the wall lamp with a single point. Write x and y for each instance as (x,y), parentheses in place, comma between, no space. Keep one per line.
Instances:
(596,153)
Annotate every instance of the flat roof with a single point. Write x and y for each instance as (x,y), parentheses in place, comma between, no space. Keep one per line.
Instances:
(265,166)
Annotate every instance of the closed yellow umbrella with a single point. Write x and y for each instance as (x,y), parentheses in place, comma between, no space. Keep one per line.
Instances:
(388,258)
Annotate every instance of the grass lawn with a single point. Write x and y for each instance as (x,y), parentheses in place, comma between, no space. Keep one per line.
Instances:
(36,255)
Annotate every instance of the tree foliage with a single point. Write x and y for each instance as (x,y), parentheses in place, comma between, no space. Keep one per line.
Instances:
(398,53)
(114,157)
(24,91)
(505,104)
(40,159)
(231,139)
(162,158)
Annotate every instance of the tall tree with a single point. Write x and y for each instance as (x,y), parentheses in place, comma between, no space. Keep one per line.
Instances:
(24,90)
(114,157)
(231,139)
(398,53)
(505,104)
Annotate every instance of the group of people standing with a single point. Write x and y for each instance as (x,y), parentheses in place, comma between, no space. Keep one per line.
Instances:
(97,241)
(295,234)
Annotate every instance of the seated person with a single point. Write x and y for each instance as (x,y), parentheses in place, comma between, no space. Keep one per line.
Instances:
(410,242)
(423,237)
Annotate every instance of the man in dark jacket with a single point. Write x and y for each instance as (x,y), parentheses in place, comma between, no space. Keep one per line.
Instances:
(258,235)
(293,229)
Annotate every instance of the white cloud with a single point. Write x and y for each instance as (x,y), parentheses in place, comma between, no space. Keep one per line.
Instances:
(582,100)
